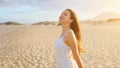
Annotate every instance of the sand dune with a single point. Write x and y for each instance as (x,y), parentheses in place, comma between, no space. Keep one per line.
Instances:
(31,46)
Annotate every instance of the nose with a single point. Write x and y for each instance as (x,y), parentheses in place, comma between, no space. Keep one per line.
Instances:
(62,15)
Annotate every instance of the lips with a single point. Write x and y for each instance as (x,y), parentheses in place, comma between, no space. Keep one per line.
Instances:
(61,18)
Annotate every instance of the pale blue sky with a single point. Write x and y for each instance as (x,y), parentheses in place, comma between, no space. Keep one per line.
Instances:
(30,11)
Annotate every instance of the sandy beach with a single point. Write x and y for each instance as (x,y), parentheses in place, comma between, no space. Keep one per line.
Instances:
(32,46)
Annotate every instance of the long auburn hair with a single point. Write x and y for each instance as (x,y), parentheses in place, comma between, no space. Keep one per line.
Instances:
(75,26)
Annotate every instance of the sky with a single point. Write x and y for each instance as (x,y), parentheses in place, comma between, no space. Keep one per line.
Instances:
(31,11)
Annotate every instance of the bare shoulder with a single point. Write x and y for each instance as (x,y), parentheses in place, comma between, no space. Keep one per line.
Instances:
(70,37)
(70,34)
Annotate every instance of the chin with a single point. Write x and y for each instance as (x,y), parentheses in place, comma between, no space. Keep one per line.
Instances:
(61,22)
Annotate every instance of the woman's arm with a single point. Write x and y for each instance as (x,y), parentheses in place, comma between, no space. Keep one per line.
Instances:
(72,42)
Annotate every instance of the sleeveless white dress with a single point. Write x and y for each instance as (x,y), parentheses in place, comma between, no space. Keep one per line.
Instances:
(62,52)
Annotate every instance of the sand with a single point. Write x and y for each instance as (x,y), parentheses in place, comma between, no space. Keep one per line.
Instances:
(31,46)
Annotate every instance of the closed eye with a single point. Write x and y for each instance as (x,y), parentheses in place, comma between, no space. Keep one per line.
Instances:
(66,14)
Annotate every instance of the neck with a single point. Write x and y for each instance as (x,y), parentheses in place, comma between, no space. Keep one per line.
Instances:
(65,28)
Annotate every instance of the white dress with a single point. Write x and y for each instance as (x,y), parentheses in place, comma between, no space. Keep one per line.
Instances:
(62,51)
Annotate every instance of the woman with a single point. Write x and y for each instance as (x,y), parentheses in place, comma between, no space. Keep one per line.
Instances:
(68,45)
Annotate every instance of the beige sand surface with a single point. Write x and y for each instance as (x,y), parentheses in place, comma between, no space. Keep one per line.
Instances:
(31,46)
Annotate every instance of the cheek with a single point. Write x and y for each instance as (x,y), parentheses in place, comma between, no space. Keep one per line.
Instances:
(67,17)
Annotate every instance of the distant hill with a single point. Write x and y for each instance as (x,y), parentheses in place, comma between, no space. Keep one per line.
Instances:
(10,23)
(113,19)
(103,18)
(106,16)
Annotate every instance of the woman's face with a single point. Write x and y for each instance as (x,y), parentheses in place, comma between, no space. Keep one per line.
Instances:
(65,17)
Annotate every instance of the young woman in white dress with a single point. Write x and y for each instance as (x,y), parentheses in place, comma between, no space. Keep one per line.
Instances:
(68,45)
